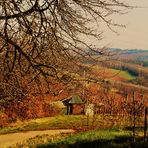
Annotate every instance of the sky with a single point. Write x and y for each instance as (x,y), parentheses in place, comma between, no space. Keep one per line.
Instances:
(135,35)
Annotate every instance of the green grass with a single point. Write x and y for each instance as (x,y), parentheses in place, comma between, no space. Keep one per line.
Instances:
(114,73)
(77,122)
(110,131)
(123,74)
(58,122)
(64,140)
(95,139)
(104,138)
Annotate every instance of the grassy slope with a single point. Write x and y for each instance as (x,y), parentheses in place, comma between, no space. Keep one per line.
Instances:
(99,138)
(122,74)
(111,131)
(57,122)
(78,122)
(106,138)
(82,139)
(113,74)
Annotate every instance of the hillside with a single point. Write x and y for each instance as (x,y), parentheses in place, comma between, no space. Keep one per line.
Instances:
(109,84)
(115,88)
(113,74)
(130,54)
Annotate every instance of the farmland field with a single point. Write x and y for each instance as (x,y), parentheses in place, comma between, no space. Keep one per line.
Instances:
(114,74)
(122,74)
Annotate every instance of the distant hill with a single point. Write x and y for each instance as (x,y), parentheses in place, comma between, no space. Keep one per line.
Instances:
(130,54)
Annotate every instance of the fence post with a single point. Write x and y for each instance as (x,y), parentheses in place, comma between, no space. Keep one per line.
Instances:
(145,124)
(134,117)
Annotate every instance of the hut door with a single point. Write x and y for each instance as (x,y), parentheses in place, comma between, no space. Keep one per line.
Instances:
(71,109)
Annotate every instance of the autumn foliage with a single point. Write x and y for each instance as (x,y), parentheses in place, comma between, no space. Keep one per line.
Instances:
(108,98)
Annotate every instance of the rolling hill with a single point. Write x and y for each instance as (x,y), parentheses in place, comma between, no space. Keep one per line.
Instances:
(130,54)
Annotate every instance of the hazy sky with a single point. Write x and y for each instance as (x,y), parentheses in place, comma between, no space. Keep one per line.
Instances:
(135,35)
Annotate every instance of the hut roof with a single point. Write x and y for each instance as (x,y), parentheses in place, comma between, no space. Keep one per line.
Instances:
(76,100)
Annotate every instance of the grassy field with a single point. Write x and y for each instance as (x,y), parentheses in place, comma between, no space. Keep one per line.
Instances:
(114,74)
(58,122)
(107,138)
(122,74)
(102,130)
(77,122)
(95,139)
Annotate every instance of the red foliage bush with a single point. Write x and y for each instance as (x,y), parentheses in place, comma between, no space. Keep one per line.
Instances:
(3,120)
(30,108)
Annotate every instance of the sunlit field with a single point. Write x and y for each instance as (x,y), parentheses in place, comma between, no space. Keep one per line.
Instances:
(103,130)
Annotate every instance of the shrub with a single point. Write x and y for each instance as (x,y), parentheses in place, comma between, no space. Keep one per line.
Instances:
(3,120)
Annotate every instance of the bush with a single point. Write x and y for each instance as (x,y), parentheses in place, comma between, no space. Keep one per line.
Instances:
(3,120)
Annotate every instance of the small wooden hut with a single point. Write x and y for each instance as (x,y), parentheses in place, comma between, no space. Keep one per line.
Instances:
(72,101)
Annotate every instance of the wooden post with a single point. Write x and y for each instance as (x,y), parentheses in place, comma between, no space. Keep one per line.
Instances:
(145,125)
(134,117)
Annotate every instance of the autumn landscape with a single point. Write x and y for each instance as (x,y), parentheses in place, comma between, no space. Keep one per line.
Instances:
(119,101)
(63,82)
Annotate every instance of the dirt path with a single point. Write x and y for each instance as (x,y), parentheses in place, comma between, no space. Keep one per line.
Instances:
(10,139)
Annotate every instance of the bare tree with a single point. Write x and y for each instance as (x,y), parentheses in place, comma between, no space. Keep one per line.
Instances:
(40,38)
